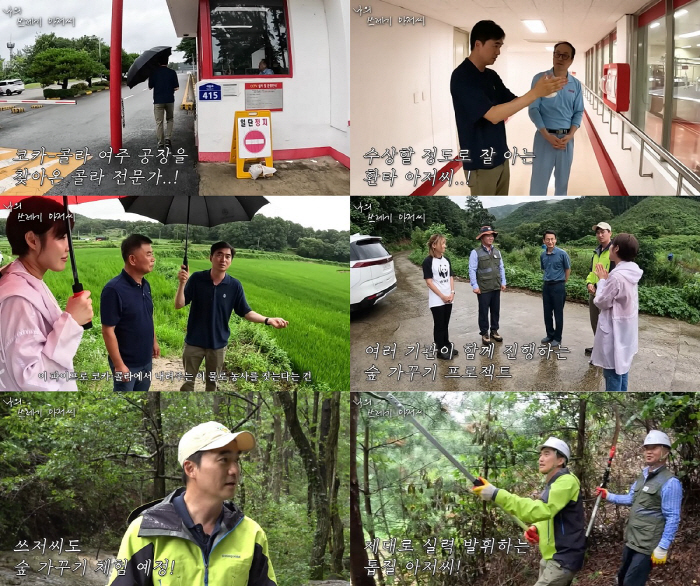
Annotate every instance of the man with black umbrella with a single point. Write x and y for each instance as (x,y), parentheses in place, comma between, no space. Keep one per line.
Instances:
(163,81)
(214,295)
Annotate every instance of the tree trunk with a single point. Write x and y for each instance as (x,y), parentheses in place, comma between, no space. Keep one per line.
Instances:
(159,462)
(317,484)
(333,482)
(314,418)
(581,442)
(323,435)
(368,500)
(358,554)
(279,451)
(218,402)
(287,454)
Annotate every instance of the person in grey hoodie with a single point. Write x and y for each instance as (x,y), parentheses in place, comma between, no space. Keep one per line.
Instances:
(38,340)
(616,336)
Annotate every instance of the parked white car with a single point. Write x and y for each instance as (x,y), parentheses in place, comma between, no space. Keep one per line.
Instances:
(372,275)
(11,86)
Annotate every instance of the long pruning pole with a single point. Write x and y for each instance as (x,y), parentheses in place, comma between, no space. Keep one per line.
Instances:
(606,474)
(474,480)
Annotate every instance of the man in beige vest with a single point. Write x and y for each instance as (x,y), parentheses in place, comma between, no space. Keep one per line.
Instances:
(655,501)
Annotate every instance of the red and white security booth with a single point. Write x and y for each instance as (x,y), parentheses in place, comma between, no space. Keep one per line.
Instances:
(304,80)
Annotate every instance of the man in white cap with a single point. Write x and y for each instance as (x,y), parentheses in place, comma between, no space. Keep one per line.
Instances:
(556,517)
(601,255)
(655,501)
(191,522)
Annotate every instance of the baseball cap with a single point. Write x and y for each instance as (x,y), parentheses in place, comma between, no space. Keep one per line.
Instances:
(209,436)
(602,225)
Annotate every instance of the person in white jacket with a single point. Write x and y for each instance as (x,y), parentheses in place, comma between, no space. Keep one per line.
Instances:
(38,340)
(617,298)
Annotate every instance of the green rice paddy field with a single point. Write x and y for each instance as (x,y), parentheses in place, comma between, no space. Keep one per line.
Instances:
(314,298)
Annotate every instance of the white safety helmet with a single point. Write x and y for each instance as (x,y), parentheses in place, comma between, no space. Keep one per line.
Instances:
(559,445)
(657,438)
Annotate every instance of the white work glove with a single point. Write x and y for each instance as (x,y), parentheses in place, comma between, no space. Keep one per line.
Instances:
(486,490)
(658,558)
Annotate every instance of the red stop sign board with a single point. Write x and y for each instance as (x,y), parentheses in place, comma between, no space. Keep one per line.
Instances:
(254,141)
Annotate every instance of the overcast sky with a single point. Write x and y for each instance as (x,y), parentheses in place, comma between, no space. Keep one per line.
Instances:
(492,201)
(317,212)
(146,24)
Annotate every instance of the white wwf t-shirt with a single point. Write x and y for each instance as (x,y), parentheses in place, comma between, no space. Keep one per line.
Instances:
(440,271)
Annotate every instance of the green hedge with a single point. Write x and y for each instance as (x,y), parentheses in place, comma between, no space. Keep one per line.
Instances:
(61,94)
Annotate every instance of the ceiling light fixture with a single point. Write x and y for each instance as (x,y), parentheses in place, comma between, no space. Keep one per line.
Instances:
(535,26)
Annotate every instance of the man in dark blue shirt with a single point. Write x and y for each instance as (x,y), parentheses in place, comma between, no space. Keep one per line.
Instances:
(481,104)
(126,311)
(214,295)
(164,83)
(556,265)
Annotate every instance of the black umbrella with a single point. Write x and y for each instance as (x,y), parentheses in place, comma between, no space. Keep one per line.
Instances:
(198,210)
(145,64)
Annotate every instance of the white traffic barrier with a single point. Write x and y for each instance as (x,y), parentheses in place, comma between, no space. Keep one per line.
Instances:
(71,102)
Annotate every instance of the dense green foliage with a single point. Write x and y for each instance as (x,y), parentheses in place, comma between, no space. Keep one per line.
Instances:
(79,475)
(52,58)
(415,493)
(63,64)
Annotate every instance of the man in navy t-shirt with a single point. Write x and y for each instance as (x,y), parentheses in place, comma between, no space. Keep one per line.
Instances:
(164,83)
(481,104)
(214,295)
(126,311)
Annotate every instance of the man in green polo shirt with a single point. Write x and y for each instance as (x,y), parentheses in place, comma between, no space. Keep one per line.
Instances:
(601,255)
(556,519)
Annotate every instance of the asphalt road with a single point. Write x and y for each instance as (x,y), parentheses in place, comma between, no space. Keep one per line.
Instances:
(86,124)
(666,361)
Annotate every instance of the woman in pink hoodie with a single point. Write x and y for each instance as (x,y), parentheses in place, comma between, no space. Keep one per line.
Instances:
(38,340)
(617,297)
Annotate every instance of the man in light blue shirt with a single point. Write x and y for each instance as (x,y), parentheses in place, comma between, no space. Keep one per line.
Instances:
(264,69)
(556,265)
(557,119)
(655,501)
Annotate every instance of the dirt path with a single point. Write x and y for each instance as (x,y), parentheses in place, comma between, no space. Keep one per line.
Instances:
(165,366)
(667,358)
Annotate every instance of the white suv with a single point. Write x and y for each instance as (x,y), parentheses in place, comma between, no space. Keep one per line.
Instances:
(11,86)
(372,275)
